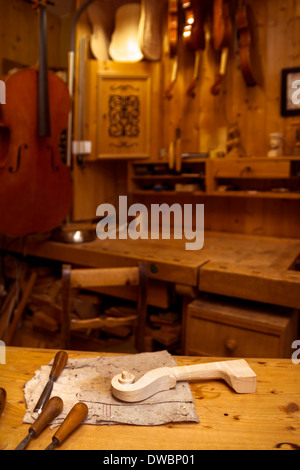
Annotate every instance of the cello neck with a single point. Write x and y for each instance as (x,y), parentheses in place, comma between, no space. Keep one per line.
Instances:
(43,93)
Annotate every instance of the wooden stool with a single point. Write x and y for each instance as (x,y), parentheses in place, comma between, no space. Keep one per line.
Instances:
(100,277)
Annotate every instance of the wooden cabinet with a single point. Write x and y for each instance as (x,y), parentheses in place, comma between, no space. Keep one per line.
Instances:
(261,177)
(117,112)
(253,195)
(251,168)
(121,109)
(257,177)
(154,178)
(123,115)
(218,326)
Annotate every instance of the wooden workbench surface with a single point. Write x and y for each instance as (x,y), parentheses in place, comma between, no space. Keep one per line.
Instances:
(263,420)
(244,266)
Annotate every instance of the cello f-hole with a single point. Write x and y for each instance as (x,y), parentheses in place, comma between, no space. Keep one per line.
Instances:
(4,143)
(15,170)
(53,166)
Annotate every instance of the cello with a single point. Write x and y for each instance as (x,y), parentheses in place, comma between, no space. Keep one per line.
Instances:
(35,184)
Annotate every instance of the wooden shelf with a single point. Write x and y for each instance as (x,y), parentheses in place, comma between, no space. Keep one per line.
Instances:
(168,177)
(257,176)
(166,192)
(256,194)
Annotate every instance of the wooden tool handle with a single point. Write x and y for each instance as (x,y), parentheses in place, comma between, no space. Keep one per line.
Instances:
(2,399)
(73,419)
(59,363)
(52,409)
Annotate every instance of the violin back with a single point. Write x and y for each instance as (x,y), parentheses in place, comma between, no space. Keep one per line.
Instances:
(35,184)
(124,46)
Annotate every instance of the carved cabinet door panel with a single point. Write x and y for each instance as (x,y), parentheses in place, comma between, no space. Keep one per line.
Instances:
(123,116)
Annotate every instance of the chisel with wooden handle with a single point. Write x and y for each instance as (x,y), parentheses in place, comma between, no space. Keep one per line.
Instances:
(59,363)
(2,399)
(52,409)
(77,414)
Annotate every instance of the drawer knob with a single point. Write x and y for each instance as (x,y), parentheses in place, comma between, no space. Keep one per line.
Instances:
(247,169)
(230,344)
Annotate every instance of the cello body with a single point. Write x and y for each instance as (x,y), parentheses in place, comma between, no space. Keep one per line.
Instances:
(35,184)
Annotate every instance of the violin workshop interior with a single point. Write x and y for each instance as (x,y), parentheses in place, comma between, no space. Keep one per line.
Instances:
(163,138)
(149,219)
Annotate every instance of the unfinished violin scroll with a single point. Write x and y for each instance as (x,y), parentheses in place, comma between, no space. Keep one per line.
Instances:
(237,373)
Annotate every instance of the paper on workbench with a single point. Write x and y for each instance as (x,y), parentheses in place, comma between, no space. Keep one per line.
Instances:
(88,380)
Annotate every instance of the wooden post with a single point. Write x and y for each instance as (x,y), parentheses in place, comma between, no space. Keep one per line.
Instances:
(17,316)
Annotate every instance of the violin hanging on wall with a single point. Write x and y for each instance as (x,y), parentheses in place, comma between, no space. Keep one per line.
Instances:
(35,185)
(194,35)
(100,15)
(124,45)
(222,32)
(173,39)
(150,29)
(249,59)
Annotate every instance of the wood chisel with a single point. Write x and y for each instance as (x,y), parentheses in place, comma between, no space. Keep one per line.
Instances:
(52,409)
(59,363)
(77,414)
(2,399)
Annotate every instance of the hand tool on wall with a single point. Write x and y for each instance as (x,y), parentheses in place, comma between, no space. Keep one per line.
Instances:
(52,409)
(77,414)
(236,373)
(2,399)
(59,363)
(178,150)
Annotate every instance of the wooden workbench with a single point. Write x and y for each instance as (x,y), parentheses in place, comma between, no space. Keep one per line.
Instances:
(263,420)
(244,266)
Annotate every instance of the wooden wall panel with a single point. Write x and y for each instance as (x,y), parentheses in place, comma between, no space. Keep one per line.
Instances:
(20,37)
(204,121)
(256,109)
(251,216)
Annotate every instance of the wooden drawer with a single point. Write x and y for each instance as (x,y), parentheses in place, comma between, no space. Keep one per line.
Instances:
(251,169)
(230,327)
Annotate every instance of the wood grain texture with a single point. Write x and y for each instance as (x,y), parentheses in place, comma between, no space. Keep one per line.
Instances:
(227,420)
(256,109)
(244,266)
(224,326)
(236,373)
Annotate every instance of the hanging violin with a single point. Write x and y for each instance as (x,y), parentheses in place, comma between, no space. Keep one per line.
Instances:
(194,35)
(249,58)
(173,24)
(222,32)
(35,184)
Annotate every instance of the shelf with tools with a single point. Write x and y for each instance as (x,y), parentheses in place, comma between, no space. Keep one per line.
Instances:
(251,177)
(257,177)
(259,195)
(159,178)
